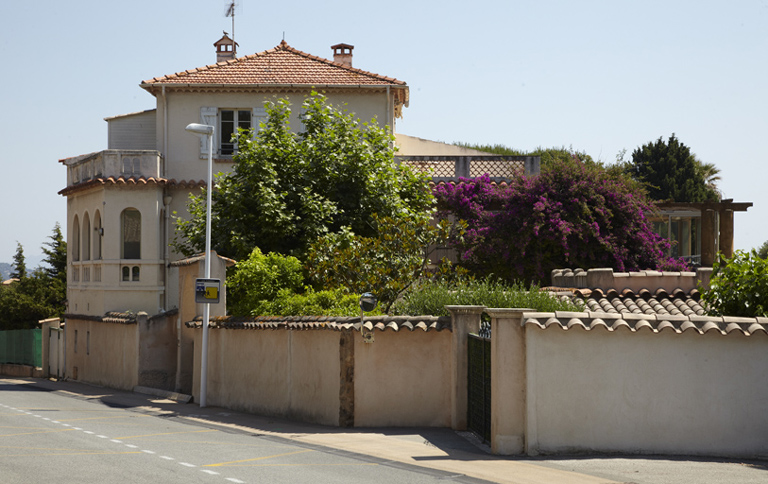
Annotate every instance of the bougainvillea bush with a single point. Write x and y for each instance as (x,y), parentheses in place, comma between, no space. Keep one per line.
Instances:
(571,215)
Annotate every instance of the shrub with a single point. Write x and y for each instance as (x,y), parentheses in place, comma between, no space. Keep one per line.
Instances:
(321,303)
(431,299)
(572,215)
(259,279)
(739,286)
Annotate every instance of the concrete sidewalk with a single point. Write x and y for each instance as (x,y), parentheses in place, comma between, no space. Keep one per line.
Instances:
(435,448)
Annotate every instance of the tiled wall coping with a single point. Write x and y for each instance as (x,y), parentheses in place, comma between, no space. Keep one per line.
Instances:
(606,278)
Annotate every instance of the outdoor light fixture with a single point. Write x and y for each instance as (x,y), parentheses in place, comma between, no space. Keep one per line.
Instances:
(207,130)
(367,304)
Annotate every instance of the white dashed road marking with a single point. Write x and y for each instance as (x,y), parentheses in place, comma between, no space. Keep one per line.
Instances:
(130,446)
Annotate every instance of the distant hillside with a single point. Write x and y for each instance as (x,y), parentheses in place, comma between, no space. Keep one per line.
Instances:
(5,270)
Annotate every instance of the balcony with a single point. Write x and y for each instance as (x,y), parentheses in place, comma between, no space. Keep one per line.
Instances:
(450,168)
(114,163)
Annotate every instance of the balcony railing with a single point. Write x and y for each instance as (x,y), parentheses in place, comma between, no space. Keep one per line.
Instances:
(451,168)
(114,163)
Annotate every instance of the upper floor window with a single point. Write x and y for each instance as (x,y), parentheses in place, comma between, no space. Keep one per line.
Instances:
(98,231)
(76,239)
(86,238)
(229,122)
(131,234)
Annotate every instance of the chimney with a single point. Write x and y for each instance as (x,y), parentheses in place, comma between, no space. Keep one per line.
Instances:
(342,54)
(225,48)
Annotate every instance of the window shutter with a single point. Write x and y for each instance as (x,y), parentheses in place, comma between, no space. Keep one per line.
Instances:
(208,116)
(259,116)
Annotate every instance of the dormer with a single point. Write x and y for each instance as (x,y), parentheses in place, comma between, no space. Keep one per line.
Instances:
(226,48)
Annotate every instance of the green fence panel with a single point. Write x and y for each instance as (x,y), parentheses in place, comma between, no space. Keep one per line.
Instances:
(22,347)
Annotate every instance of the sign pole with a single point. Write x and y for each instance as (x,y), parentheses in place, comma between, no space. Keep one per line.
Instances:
(207,306)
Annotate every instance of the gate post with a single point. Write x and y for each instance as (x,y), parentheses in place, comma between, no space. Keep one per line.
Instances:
(47,325)
(464,320)
(507,381)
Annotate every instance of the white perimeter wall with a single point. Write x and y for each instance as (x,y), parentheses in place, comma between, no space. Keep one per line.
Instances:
(646,393)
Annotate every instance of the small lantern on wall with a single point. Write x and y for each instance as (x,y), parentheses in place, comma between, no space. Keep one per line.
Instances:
(367,304)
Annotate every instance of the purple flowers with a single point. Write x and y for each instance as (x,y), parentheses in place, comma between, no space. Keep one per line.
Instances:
(572,215)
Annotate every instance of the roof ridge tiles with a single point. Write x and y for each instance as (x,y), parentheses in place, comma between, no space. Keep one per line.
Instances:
(181,76)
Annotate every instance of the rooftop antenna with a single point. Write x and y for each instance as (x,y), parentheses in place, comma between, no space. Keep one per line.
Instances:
(231,13)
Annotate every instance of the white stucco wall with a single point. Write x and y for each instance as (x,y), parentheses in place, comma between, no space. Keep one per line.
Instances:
(183,156)
(292,374)
(104,290)
(646,393)
(403,379)
(102,353)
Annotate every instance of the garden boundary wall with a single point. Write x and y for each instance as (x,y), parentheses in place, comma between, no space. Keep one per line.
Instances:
(321,370)
(637,384)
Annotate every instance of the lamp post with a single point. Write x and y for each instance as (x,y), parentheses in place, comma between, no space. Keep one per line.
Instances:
(207,130)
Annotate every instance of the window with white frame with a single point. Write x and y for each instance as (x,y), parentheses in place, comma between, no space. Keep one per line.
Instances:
(230,120)
(226,122)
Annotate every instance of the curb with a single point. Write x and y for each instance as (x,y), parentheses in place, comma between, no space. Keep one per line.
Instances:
(178,397)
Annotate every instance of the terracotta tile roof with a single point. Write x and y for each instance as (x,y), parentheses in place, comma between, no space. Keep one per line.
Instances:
(380,323)
(659,302)
(656,323)
(282,65)
(200,257)
(116,317)
(130,181)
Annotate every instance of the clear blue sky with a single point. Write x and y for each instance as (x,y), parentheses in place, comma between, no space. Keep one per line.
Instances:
(597,76)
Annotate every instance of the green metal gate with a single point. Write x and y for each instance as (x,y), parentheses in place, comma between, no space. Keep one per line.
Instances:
(22,347)
(479,386)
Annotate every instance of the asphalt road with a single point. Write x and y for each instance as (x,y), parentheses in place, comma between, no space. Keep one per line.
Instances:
(48,437)
(66,432)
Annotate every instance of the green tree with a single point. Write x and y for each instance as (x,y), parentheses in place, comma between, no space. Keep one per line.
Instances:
(56,255)
(24,303)
(386,264)
(670,172)
(19,263)
(288,189)
(739,286)
(40,294)
(762,251)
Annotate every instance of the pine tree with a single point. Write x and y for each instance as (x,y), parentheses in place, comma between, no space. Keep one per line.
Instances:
(670,172)
(19,263)
(56,255)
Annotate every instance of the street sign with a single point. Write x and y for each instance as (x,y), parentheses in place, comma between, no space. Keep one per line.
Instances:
(207,290)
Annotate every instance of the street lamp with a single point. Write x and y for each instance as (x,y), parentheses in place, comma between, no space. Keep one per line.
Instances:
(207,130)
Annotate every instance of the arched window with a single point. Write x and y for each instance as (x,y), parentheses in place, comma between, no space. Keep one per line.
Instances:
(131,234)
(86,237)
(97,231)
(76,239)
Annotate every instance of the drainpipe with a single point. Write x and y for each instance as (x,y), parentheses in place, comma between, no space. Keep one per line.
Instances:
(165,134)
(390,115)
(166,240)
